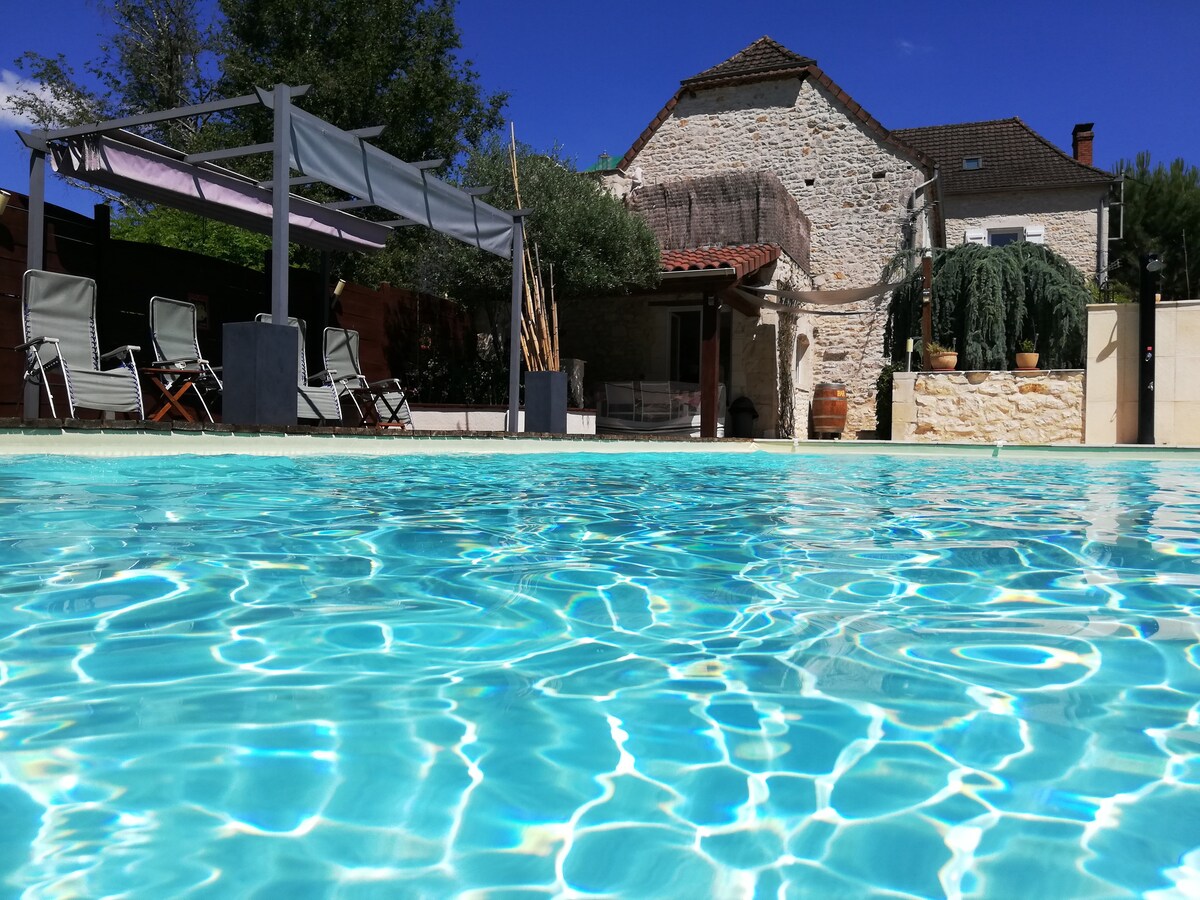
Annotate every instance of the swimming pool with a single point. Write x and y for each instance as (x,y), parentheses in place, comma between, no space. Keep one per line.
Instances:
(645,675)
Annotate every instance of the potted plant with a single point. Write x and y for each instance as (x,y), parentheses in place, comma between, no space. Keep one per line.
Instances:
(1027,355)
(942,358)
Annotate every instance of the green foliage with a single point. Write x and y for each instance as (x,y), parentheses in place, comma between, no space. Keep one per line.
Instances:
(370,62)
(169,227)
(596,246)
(936,348)
(156,57)
(986,300)
(1161,214)
(1027,346)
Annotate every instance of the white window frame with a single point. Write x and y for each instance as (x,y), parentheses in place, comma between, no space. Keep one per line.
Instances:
(1033,234)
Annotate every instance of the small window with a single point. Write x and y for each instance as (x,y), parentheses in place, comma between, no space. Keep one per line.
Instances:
(879,174)
(972,162)
(998,237)
(809,182)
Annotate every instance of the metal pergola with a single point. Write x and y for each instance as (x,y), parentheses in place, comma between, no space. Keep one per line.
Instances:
(109,154)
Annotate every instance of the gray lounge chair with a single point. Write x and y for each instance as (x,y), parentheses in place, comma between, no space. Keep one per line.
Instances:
(59,313)
(386,396)
(313,401)
(177,347)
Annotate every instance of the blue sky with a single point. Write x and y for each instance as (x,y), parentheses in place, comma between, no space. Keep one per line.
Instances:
(589,77)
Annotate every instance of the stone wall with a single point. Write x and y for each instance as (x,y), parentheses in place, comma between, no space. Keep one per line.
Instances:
(1071,217)
(852,185)
(1042,407)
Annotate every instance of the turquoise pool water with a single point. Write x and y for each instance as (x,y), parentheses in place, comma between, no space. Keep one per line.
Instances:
(658,675)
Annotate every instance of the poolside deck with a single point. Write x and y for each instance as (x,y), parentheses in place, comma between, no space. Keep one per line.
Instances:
(127,437)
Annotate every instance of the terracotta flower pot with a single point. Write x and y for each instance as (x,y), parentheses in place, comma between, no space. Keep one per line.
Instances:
(1027,360)
(943,362)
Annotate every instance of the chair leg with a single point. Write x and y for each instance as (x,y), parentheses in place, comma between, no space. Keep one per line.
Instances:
(200,396)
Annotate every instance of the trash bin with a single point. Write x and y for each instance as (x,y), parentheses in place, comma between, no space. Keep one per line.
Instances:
(742,415)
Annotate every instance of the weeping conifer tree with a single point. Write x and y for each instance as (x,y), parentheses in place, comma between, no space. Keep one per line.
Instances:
(988,300)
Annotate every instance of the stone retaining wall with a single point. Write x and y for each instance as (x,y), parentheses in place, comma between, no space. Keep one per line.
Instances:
(1039,407)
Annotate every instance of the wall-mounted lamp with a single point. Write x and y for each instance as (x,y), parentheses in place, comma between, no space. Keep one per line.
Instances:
(5,196)
(339,287)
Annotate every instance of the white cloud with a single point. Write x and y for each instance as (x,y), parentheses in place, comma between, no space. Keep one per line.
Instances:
(12,84)
(908,48)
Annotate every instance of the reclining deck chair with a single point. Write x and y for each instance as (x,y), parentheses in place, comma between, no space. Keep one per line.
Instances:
(385,400)
(313,401)
(176,346)
(59,317)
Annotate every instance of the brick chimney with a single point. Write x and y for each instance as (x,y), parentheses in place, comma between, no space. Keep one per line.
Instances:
(1081,142)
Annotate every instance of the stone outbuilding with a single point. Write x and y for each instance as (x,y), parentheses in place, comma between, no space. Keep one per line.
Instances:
(1000,182)
(778,201)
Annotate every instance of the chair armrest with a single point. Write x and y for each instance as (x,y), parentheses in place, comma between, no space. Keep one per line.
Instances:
(127,350)
(184,361)
(37,341)
(387,382)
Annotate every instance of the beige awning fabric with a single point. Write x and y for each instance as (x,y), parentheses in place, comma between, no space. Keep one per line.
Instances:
(141,168)
(827,298)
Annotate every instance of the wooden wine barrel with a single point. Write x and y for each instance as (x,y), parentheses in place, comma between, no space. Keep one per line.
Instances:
(829,408)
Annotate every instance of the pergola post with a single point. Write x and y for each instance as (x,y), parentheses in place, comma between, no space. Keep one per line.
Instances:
(514,332)
(36,250)
(280,196)
(35,254)
(710,364)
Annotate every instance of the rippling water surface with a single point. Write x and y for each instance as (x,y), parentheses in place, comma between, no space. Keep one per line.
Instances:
(659,675)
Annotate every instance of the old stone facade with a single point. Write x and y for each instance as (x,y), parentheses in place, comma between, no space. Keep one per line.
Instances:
(1072,219)
(1043,407)
(866,193)
(854,186)
(1001,181)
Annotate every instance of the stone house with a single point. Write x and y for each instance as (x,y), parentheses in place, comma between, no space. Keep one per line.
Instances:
(1000,181)
(767,309)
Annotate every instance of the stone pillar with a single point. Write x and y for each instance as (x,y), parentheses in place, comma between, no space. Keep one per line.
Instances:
(904,405)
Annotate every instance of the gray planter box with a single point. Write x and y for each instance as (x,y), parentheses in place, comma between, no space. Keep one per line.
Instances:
(545,403)
(259,367)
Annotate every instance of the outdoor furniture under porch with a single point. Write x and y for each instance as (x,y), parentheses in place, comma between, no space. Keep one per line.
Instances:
(654,407)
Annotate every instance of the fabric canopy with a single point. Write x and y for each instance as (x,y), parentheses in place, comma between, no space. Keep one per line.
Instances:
(830,298)
(343,160)
(141,168)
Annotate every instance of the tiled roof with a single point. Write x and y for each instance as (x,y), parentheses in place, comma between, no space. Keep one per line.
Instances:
(765,59)
(1013,156)
(762,58)
(744,259)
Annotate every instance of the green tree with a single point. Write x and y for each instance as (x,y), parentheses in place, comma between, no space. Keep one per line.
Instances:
(158,56)
(370,62)
(596,246)
(1161,213)
(168,227)
(987,300)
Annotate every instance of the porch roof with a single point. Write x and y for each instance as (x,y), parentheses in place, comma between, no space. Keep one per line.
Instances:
(742,260)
